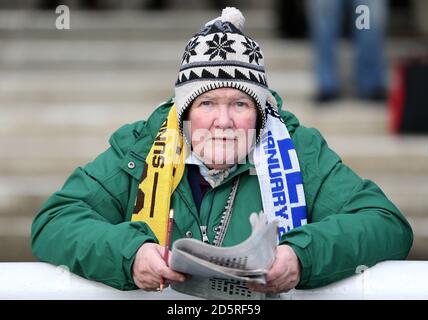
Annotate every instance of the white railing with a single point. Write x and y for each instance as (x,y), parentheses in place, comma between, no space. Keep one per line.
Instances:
(386,280)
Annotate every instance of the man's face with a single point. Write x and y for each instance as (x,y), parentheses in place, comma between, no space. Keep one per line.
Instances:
(223,126)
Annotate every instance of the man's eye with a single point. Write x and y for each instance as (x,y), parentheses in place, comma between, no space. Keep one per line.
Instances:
(206,103)
(241,104)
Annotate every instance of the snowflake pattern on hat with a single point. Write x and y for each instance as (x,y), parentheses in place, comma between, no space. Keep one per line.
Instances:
(253,50)
(190,50)
(219,47)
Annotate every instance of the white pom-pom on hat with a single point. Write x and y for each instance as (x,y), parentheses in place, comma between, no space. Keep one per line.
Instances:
(232,15)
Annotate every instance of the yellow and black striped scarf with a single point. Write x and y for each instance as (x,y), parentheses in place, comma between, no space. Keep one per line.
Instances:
(163,170)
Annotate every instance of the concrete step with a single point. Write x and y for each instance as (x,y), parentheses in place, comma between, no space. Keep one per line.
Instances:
(118,85)
(86,119)
(21,197)
(125,24)
(24,155)
(33,54)
(382,154)
(409,192)
(63,53)
(15,249)
(55,86)
(73,119)
(420,244)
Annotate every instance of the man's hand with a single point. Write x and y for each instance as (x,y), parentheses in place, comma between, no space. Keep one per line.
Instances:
(284,274)
(149,267)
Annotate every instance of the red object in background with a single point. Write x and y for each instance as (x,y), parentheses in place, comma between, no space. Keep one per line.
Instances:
(408,99)
(396,98)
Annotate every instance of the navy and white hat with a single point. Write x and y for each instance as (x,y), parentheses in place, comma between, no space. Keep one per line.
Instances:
(221,56)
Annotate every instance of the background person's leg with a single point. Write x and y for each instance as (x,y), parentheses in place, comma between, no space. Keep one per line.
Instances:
(325,22)
(369,46)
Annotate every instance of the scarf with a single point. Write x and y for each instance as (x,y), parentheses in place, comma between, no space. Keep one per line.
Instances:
(162,173)
(279,175)
(276,164)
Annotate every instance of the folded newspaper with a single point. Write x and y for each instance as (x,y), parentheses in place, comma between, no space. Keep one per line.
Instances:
(221,272)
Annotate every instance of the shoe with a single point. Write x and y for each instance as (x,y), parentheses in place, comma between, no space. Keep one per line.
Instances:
(324,97)
(377,95)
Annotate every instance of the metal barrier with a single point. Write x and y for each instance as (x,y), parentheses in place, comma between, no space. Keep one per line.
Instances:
(386,280)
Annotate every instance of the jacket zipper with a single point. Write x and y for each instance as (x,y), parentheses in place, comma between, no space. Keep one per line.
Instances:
(204,234)
(204,228)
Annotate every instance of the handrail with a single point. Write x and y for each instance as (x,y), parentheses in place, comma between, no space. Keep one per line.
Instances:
(37,280)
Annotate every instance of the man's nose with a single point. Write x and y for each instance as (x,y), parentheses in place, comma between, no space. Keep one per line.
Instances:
(223,118)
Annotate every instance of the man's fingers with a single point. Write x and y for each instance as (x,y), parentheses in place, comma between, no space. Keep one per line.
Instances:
(138,283)
(151,268)
(146,285)
(170,274)
(276,286)
(274,273)
(149,282)
(160,269)
(279,268)
(260,287)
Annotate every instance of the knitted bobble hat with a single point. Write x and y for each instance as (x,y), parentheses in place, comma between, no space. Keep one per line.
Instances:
(221,56)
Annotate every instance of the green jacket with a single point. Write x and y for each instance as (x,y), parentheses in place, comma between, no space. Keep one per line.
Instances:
(86,224)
